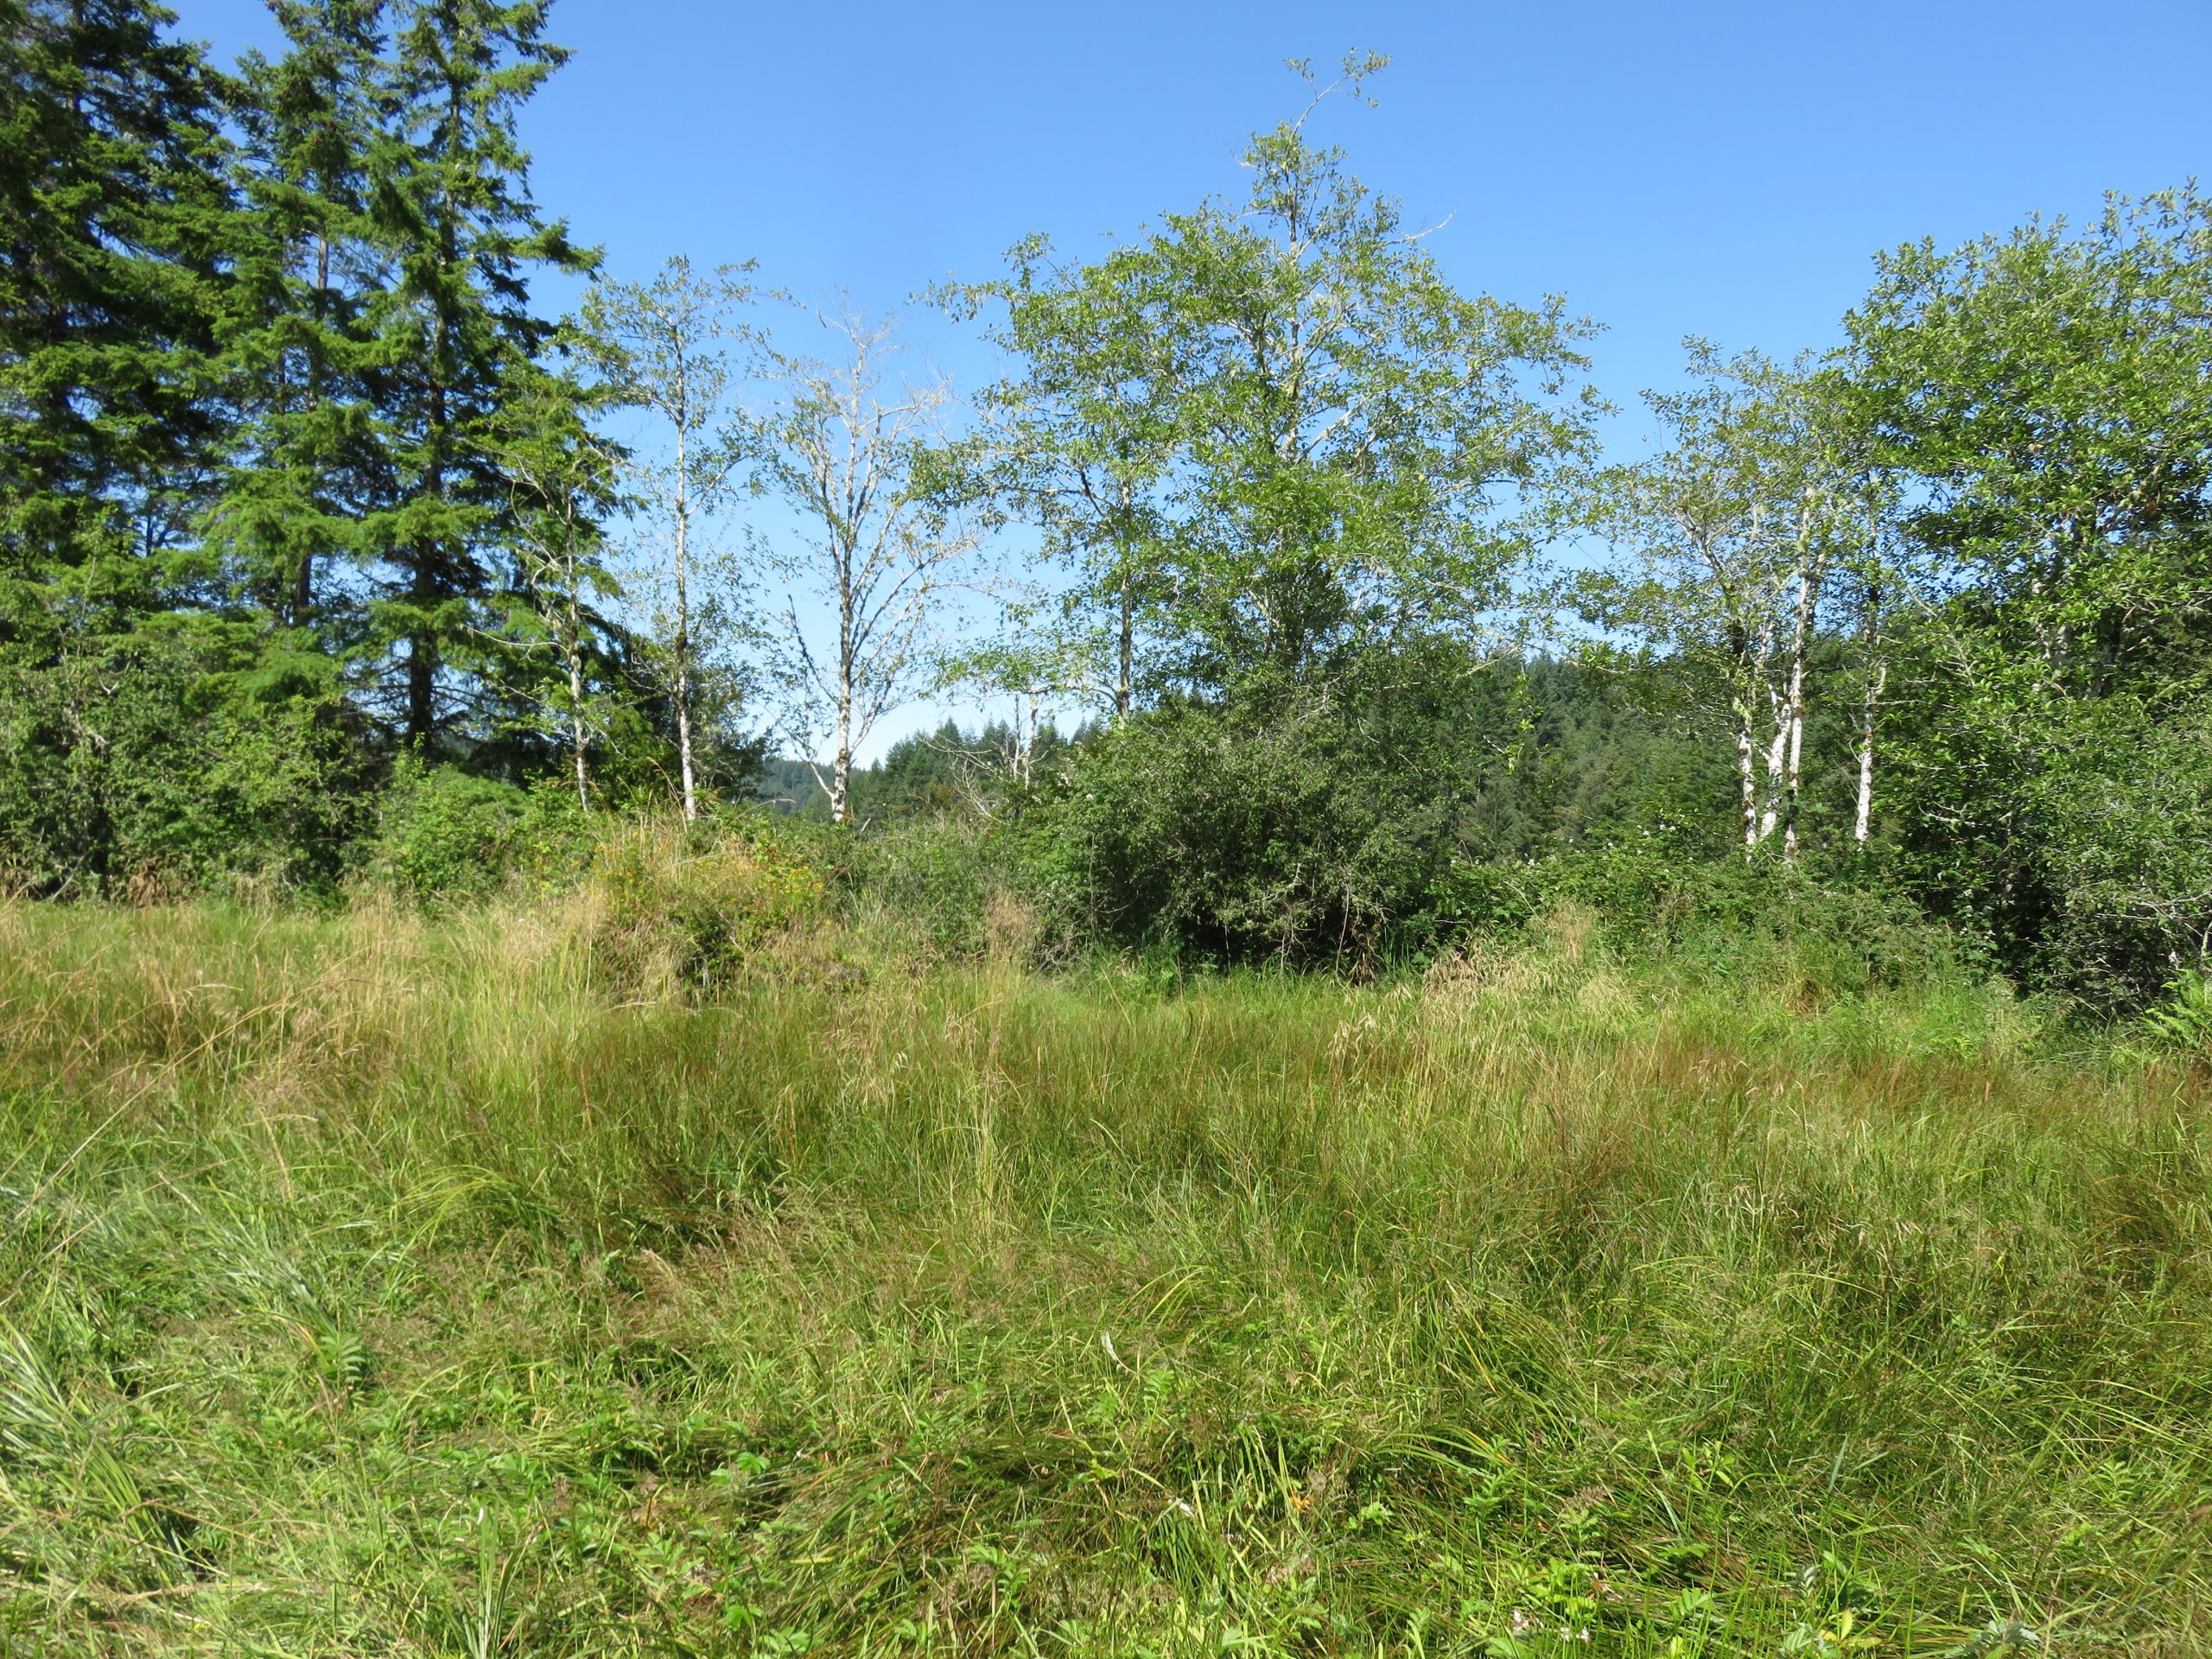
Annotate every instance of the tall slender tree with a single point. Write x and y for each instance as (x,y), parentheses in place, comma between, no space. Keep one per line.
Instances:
(1732,532)
(843,443)
(1081,443)
(449,200)
(564,477)
(661,348)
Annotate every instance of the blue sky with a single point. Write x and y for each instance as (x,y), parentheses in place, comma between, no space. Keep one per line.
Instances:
(1722,169)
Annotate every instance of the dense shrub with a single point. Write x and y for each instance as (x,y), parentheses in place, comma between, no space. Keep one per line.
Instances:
(1839,928)
(931,881)
(446,837)
(1297,822)
(2085,858)
(673,907)
(178,759)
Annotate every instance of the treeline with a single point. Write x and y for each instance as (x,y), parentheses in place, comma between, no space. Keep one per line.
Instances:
(312,520)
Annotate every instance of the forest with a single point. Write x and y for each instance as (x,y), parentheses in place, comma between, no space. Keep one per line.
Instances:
(1478,1047)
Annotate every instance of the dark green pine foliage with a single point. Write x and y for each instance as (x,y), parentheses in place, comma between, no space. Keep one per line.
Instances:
(118,224)
(307,478)
(450,200)
(116,220)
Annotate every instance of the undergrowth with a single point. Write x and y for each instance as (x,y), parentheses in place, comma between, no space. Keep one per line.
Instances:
(384,1285)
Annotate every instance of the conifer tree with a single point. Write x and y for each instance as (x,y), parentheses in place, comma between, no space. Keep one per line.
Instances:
(450,201)
(117,228)
(307,477)
(116,222)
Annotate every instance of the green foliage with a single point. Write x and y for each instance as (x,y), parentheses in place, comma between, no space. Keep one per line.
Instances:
(185,756)
(1824,929)
(2184,1019)
(1270,431)
(683,906)
(2039,389)
(1299,822)
(452,212)
(119,225)
(447,837)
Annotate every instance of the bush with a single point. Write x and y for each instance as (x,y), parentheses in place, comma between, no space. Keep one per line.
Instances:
(202,758)
(1301,823)
(446,837)
(685,907)
(933,882)
(1840,929)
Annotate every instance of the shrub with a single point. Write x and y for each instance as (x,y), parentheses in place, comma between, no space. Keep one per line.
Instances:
(182,759)
(447,837)
(1308,822)
(677,907)
(931,881)
(1833,929)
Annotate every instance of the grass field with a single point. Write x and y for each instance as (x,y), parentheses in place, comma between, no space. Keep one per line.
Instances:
(373,1285)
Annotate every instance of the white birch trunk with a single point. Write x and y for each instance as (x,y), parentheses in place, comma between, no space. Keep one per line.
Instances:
(1809,580)
(1878,674)
(576,733)
(683,612)
(1746,767)
(1772,762)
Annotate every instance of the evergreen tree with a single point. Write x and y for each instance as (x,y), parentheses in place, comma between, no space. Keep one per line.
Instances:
(116,218)
(117,227)
(450,200)
(307,478)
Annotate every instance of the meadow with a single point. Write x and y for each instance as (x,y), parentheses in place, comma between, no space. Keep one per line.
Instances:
(373,1284)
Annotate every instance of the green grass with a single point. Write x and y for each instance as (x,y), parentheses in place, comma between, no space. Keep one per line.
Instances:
(371,1286)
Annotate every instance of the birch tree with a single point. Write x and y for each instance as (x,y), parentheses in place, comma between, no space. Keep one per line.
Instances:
(1080,443)
(1882,581)
(843,445)
(1732,532)
(1269,433)
(662,349)
(1036,660)
(1348,422)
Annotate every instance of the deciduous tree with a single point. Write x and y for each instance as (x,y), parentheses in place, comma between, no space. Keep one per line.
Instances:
(662,348)
(842,442)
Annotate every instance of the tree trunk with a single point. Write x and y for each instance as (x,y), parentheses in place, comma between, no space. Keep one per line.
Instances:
(841,777)
(421,648)
(577,736)
(1808,591)
(1876,673)
(303,579)
(849,646)
(683,618)
(1778,752)
(1747,773)
(1125,665)
(1123,687)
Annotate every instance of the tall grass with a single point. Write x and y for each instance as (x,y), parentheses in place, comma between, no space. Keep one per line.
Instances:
(378,1286)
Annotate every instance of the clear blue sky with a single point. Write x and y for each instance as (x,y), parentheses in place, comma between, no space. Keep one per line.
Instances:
(1722,169)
